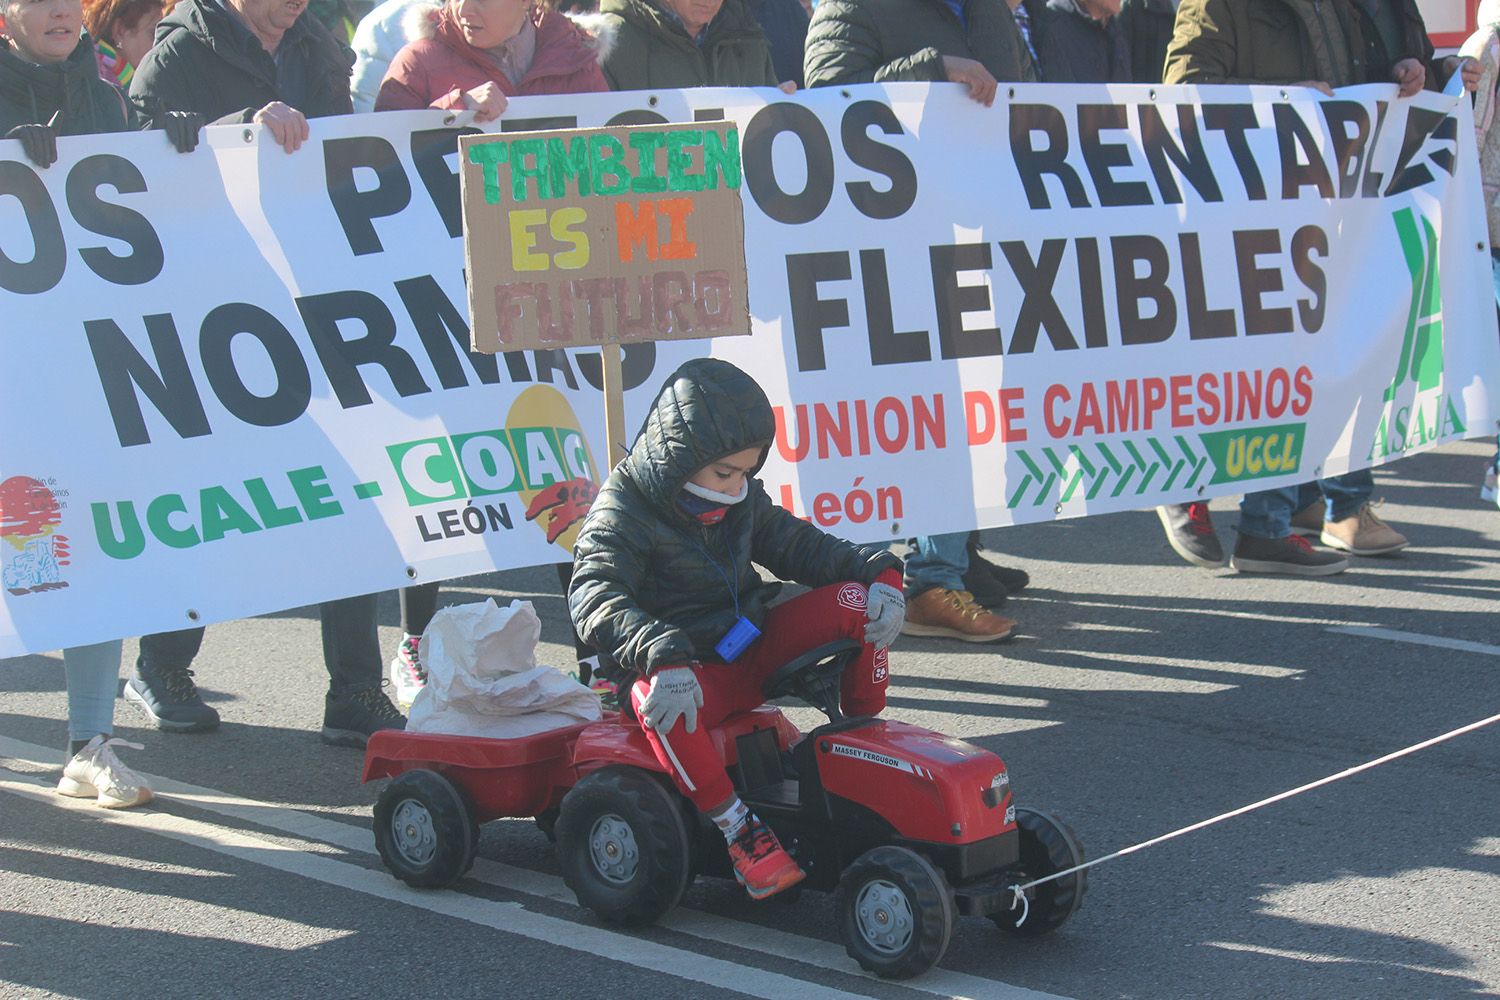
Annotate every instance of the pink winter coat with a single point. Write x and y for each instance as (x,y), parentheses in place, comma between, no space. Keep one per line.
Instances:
(434,71)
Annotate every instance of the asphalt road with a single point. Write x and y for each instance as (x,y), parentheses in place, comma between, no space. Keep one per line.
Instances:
(1142,696)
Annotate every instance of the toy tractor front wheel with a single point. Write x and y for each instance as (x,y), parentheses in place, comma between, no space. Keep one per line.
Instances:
(1048,846)
(623,846)
(896,912)
(425,830)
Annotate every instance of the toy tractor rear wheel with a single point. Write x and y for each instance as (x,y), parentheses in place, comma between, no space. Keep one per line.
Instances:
(1048,846)
(623,846)
(896,912)
(425,830)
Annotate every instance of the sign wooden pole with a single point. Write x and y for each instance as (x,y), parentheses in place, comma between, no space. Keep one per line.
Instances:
(614,404)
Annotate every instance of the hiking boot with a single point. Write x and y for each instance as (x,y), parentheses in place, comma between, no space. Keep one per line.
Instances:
(987,591)
(952,614)
(1309,520)
(1190,532)
(408,676)
(1363,534)
(96,773)
(1011,579)
(762,867)
(350,718)
(1292,554)
(171,699)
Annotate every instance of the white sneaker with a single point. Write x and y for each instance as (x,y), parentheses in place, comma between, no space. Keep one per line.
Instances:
(1488,492)
(408,677)
(95,772)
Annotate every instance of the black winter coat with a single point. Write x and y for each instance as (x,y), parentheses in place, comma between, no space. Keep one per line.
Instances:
(31,93)
(650,584)
(887,41)
(206,60)
(1074,48)
(1147,25)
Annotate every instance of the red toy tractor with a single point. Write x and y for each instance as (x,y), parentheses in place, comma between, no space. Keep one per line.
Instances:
(909,827)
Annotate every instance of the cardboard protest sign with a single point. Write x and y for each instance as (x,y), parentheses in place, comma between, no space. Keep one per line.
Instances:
(612,235)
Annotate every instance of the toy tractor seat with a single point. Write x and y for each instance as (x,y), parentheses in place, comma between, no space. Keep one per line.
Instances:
(813,677)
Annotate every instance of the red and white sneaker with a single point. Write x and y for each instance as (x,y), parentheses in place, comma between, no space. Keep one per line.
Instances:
(762,867)
(408,676)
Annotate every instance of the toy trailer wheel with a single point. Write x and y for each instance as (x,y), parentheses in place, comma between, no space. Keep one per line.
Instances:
(623,846)
(425,830)
(1048,846)
(896,912)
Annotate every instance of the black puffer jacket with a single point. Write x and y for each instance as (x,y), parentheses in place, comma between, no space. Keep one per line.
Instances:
(31,93)
(650,584)
(206,61)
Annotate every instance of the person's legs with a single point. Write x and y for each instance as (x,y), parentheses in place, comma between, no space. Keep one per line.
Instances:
(1268,513)
(820,616)
(1266,543)
(691,758)
(937,603)
(418,605)
(937,561)
(162,682)
(93,674)
(1347,493)
(1352,524)
(990,583)
(408,675)
(355,706)
(93,771)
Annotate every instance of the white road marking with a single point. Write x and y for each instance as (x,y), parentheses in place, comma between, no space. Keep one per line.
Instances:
(511,918)
(693,923)
(1416,639)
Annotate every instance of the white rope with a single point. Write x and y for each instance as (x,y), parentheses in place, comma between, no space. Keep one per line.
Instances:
(1019,897)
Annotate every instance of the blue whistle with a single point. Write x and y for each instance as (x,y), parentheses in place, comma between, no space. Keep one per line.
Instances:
(739,637)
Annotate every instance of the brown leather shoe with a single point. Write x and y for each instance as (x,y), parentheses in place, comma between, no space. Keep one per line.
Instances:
(1309,520)
(1363,534)
(952,614)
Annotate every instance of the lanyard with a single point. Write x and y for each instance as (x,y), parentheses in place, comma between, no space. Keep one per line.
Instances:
(733,594)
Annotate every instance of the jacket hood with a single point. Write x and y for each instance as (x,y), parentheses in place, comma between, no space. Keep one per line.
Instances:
(38,90)
(707,409)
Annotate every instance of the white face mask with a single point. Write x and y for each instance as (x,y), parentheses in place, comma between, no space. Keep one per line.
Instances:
(705,493)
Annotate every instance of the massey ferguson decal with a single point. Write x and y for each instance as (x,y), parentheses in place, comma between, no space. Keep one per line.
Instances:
(858,753)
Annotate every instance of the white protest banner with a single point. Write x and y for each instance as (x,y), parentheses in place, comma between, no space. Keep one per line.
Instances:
(238,380)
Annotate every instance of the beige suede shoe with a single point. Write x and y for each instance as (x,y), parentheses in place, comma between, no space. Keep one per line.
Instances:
(1363,534)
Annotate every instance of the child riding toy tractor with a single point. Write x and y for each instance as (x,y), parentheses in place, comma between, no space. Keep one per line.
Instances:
(697,776)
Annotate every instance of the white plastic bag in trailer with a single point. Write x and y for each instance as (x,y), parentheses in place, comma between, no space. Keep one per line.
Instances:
(483,678)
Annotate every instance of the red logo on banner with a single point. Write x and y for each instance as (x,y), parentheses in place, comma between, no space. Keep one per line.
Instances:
(565,504)
(33,552)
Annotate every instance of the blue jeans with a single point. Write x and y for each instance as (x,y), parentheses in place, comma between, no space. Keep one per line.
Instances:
(937,561)
(93,680)
(1343,495)
(1268,513)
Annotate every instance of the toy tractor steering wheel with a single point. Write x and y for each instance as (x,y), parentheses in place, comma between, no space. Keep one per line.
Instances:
(814,676)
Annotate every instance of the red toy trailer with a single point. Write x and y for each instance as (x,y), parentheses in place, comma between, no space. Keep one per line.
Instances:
(909,827)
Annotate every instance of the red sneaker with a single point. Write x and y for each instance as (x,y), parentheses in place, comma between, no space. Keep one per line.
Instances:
(762,867)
